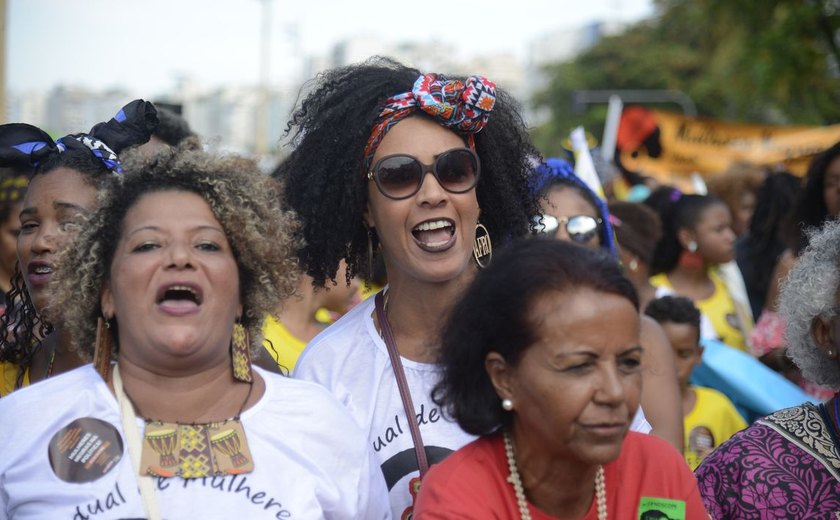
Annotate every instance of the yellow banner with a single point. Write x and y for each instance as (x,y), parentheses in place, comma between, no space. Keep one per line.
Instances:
(670,147)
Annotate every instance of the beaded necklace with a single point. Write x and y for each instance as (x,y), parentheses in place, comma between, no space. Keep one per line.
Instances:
(516,482)
(216,448)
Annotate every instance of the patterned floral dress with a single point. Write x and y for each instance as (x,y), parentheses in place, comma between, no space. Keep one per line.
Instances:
(784,466)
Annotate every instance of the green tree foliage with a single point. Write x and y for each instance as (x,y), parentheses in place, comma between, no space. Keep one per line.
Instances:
(768,61)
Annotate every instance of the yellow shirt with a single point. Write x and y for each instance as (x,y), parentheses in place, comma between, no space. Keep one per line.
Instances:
(720,309)
(281,345)
(713,420)
(8,378)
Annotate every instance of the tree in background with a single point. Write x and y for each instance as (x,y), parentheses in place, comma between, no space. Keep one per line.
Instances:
(773,62)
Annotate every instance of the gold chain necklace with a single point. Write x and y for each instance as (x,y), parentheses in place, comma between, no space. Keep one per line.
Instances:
(516,482)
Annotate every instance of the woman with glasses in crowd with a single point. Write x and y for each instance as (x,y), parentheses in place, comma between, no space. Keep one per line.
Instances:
(574,213)
(431,173)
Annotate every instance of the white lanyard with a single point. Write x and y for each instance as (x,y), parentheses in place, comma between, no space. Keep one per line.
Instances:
(135,448)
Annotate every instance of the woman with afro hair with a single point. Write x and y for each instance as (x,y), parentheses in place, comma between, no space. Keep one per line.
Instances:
(366,137)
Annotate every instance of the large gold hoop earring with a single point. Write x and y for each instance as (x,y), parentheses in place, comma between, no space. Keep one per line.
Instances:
(482,247)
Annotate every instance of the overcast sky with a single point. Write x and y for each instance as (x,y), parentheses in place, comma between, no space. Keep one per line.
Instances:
(147,44)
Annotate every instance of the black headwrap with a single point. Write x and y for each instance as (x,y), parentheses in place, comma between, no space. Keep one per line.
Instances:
(26,145)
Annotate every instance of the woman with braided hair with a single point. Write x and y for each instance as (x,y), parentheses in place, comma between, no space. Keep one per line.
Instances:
(367,137)
(67,175)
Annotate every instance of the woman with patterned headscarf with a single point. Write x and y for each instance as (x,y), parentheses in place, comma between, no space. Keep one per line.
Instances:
(67,175)
(428,172)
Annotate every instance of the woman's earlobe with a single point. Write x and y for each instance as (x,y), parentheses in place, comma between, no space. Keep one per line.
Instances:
(685,238)
(822,332)
(367,218)
(499,372)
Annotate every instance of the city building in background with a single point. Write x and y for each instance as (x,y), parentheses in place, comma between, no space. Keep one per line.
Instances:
(228,118)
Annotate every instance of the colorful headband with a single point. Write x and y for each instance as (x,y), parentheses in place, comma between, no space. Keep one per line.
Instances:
(26,145)
(553,168)
(463,107)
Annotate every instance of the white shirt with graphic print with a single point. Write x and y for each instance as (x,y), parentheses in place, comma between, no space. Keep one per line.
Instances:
(311,461)
(350,359)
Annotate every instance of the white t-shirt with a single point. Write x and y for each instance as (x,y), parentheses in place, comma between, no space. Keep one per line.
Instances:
(351,361)
(310,459)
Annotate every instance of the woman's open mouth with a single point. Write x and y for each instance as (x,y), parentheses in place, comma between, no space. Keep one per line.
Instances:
(179,299)
(38,273)
(434,235)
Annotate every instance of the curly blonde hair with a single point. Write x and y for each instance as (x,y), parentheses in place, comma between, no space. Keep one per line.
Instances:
(245,202)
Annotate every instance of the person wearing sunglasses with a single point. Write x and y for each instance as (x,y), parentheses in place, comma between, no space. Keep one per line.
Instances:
(571,211)
(581,229)
(431,174)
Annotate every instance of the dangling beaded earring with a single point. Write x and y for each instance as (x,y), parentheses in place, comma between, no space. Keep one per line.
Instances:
(482,247)
(103,348)
(240,354)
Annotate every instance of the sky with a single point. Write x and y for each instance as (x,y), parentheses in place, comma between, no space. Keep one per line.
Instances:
(150,45)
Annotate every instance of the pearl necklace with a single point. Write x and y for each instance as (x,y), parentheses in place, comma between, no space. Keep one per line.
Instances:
(524,514)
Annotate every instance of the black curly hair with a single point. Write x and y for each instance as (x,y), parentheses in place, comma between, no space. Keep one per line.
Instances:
(810,210)
(324,176)
(674,309)
(676,211)
(24,326)
(495,313)
(172,128)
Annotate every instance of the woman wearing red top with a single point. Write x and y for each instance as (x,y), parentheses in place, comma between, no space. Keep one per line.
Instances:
(541,358)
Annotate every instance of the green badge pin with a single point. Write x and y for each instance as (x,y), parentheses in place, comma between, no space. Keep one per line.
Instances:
(651,508)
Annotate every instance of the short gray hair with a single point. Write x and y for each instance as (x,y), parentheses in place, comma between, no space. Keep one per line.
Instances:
(809,291)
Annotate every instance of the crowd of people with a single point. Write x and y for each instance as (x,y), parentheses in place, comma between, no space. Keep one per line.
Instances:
(415,315)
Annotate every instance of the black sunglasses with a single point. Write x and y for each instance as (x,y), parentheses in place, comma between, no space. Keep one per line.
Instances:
(400,176)
(581,228)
